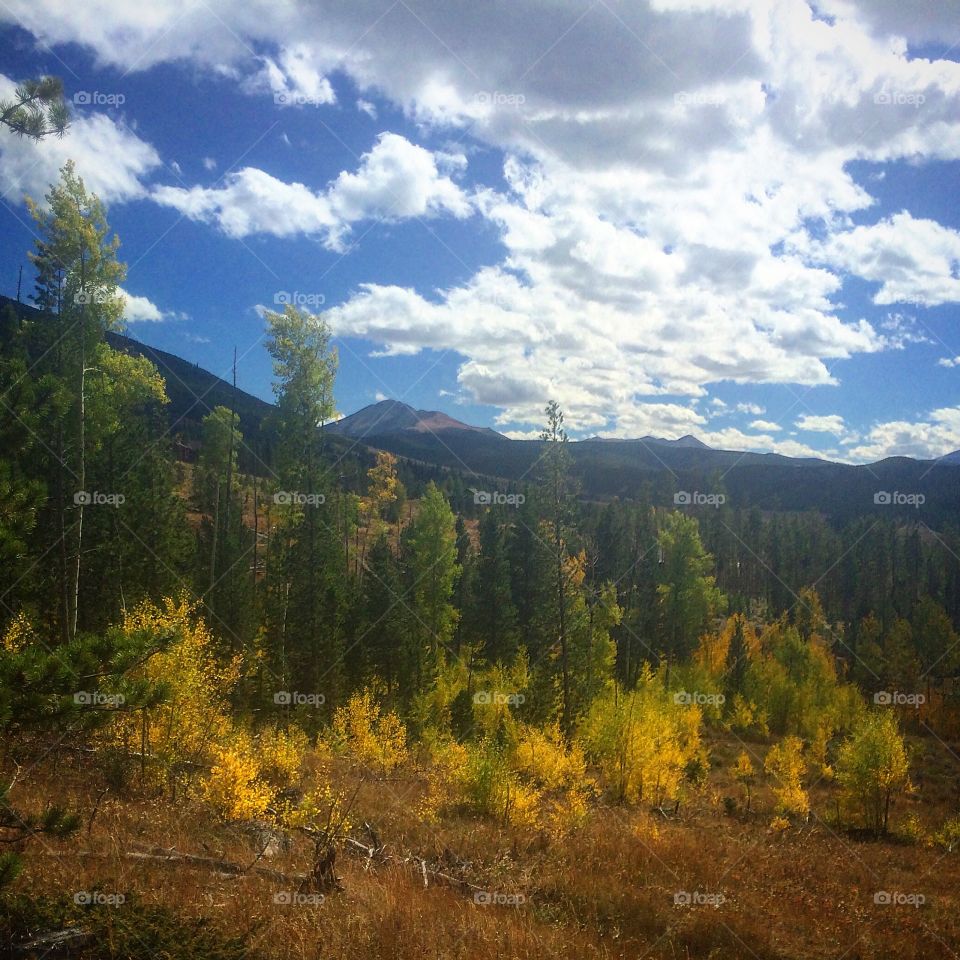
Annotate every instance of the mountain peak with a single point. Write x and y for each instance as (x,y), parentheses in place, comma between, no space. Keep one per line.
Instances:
(394,416)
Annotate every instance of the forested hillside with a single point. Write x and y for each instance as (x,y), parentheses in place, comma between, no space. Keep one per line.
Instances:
(230,637)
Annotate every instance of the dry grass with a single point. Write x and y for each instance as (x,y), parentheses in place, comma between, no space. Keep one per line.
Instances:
(605,890)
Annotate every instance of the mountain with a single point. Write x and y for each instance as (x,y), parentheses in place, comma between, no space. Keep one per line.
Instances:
(686,441)
(649,467)
(392,416)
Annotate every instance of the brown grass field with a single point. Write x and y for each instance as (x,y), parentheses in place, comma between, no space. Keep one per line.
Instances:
(607,889)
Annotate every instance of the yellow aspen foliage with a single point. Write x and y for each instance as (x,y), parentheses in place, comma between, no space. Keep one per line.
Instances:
(195,715)
(382,482)
(819,746)
(320,809)
(745,775)
(642,741)
(281,754)
(478,779)
(18,634)
(542,758)
(787,765)
(234,786)
(447,761)
(367,735)
(746,716)
(712,649)
(872,768)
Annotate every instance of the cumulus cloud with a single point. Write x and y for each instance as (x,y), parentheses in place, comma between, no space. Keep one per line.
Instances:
(293,79)
(138,309)
(829,424)
(109,156)
(678,207)
(395,180)
(936,436)
(913,260)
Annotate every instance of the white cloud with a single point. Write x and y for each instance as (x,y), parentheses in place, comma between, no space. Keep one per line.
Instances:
(934,437)
(109,156)
(679,200)
(209,163)
(765,425)
(914,261)
(252,201)
(138,309)
(365,106)
(833,423)
(949,362)
(731,438)
(395,179)
(293,79)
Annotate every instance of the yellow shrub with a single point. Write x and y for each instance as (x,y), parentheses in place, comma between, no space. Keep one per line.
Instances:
(234,786)
(786,764)
(281,754)
(19,633)
(194,720)
(321,809)
(642,741)
(369,736)
(543,757)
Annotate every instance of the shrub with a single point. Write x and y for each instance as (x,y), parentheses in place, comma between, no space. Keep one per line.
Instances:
(786,764)
(642,741)
(372,738)
(872,767)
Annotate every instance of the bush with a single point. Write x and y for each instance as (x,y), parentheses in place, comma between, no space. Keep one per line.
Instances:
(786,764)
(642,741)
(872,767)
(370,737)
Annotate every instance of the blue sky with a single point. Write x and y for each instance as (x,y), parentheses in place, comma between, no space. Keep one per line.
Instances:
(738,220)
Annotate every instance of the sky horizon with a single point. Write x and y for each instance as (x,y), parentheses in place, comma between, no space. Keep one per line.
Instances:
(737,220)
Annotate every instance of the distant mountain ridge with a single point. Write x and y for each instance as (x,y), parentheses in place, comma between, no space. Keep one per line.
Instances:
(685,441)
(602,468)
(393,416)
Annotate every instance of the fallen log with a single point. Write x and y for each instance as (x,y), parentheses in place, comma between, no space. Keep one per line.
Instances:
(172,855)
(378,854)
(56,943)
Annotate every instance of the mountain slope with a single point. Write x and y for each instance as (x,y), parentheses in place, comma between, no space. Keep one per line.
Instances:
(602,468)
(392,416)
